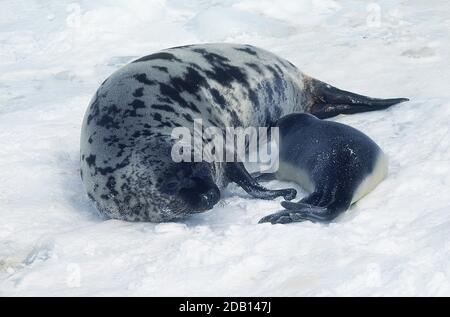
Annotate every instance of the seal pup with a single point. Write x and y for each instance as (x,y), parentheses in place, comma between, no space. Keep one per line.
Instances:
(126,164)
(335,163)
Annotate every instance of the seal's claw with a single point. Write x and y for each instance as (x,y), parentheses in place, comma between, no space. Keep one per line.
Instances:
(281,217)
(289,193)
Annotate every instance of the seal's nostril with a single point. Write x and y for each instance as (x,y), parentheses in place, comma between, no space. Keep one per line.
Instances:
(213,196)
(209,199)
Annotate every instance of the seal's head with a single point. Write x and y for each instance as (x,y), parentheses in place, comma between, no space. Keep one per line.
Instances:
(172,189)
(189,186)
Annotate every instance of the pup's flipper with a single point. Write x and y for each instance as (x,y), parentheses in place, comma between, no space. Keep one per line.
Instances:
(328,208)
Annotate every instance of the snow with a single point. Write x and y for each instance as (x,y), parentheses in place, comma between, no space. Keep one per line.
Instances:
(54,55)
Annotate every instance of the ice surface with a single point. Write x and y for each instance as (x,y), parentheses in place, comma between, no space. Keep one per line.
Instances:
(395,241)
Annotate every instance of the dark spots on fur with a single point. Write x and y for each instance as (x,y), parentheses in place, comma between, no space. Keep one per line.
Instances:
(188,117)
(191,82)
(104,197)
(172,93)
(90,160)
(135,104)
(235,120)
(111,169)
(195,78)
(111,185)
(147,132)
(162,55)
(196,66)
(90,140)
(138,92)
(112,109)
(193,107)
(136,134)
(269,93)
(218,98)
(108,122)
(225,75)
(142,78)
(163,99)
(175,95)
(214,122)
(161,68)
(278,82)
(157,117)
(223,72)
(280,71)
(255,67)
(164,124)
(90,196)
(273,71)
(253,96)
(125,187)
(81,174)
(111,140)
(211,57)
(122,148)
(247,50)
(166,108)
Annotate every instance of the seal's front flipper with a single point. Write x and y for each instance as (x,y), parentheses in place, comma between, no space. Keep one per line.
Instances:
(330,101)
(237,173)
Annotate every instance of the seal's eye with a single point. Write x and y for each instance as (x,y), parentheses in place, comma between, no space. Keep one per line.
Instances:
(171,187)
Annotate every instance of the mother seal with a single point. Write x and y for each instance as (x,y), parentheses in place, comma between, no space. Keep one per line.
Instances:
(126,142)
(335,163)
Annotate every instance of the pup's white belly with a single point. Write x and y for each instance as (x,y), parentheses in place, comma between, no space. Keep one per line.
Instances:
(372,180)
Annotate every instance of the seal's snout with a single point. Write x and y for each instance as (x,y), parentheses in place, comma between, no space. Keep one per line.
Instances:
(191,186)
(209,199)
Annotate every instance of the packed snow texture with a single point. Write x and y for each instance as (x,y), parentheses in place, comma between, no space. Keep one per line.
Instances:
(395,241)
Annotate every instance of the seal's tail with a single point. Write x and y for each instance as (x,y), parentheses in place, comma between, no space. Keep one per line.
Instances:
(329,101)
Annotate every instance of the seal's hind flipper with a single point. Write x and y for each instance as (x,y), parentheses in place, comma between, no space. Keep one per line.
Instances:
(329,101)
(237,173)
